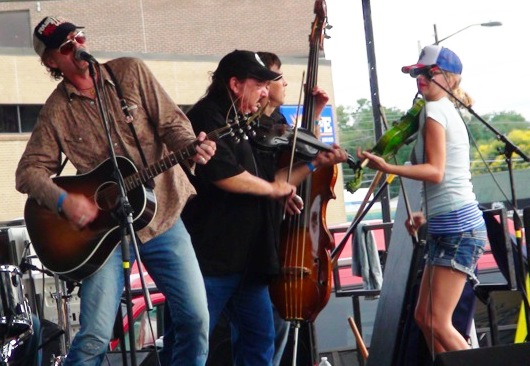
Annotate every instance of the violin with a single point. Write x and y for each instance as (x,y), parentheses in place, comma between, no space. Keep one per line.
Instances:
(402,132)
(278,137)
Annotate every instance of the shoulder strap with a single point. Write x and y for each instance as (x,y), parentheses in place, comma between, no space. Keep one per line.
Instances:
(128,119)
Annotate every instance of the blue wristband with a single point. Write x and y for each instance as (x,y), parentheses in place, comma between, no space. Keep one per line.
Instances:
(311,167)
(60,201)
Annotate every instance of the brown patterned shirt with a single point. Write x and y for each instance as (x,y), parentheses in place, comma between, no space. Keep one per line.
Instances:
(70,124)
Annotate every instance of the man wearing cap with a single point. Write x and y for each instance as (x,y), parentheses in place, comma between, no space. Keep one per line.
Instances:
(230,220)
(69,124)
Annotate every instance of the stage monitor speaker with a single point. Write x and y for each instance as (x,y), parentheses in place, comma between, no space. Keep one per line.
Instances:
(512,355)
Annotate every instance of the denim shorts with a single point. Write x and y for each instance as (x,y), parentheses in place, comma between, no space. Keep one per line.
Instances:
(460,251)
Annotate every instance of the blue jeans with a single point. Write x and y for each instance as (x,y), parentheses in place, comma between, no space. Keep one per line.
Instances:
(247,305)
(170,260)
(460,251)
(281,328)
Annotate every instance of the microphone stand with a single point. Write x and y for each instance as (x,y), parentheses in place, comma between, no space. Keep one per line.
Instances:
(509,149)
(124,213)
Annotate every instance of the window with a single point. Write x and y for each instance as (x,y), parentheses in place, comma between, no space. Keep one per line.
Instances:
(18,118)
(8,118)
(28,116)
(15,29)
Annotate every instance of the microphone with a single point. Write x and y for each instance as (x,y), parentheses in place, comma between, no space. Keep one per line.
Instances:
(82,55)
(427,71)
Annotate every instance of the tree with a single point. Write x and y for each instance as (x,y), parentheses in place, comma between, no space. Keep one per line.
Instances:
(504,122)
(492,153)
(356,129)
(356,124)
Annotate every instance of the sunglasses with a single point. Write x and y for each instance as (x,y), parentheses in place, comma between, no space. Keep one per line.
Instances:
(68,46)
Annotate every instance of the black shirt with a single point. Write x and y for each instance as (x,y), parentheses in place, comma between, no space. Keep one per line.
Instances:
(268,161)
(231,233)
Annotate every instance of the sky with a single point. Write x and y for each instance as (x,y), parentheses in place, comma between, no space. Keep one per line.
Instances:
(495,59)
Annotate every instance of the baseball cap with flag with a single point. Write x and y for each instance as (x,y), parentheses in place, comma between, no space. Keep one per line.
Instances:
(51,33)
(437,55)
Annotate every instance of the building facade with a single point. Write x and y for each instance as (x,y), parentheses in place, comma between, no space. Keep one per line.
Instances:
(181,41)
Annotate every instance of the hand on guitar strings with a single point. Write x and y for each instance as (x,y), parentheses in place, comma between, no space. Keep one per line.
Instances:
(79,210)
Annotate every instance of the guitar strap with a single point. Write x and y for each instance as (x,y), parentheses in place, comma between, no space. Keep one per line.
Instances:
(129,118)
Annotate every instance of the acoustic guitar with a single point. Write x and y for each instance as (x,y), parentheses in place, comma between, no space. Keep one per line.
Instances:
(76,254)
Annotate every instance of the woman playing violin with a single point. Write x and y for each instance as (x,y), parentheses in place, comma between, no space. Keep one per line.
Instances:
(456,229)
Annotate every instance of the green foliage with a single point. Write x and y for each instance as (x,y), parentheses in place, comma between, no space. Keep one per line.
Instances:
(504,122)
(494,153)
(356,129)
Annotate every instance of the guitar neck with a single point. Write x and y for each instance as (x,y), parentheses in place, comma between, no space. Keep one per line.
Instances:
(144,175)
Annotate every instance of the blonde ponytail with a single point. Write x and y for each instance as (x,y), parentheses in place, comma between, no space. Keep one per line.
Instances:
(458,92)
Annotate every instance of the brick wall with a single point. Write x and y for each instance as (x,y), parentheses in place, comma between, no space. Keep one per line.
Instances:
(185,27)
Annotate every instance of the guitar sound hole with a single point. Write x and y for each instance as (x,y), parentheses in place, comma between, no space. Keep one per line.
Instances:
(107,196)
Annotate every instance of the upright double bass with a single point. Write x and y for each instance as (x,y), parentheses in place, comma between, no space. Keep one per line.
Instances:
(303,287)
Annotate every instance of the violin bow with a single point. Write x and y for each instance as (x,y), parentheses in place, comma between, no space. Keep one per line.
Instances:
(295,137)
(363,210)
(403,191)
(338,249)
(295,129)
